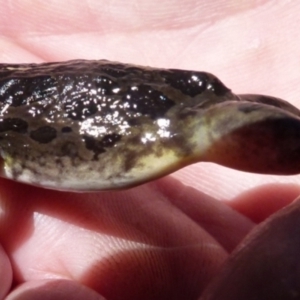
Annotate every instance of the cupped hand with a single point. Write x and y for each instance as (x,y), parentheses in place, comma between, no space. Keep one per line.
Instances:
(170,238)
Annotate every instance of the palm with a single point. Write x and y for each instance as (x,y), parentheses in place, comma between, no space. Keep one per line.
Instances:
(154,241)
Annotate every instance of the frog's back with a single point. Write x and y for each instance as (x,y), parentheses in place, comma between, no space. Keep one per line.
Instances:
(102,125)
(97,124)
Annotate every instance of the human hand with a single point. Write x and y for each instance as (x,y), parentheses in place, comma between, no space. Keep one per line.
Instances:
(162,240)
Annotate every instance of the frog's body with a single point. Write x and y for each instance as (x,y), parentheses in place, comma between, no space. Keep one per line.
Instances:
(93,125)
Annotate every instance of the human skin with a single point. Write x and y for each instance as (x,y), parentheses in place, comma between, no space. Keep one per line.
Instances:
(170,238)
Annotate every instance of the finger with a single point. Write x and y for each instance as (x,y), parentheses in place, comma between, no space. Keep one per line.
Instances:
(266,265)
(261,202)
(222,222)
(110,242)
(53,289)
(5,273)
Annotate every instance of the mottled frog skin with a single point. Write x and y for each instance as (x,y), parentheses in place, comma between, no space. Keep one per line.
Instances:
(100,125)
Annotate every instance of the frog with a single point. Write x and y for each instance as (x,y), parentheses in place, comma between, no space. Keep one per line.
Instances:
(93,125)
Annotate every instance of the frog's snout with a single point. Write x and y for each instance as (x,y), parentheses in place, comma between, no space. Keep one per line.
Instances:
(260,139)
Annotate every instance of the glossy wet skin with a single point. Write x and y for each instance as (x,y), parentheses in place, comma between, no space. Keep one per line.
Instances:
(94,125)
